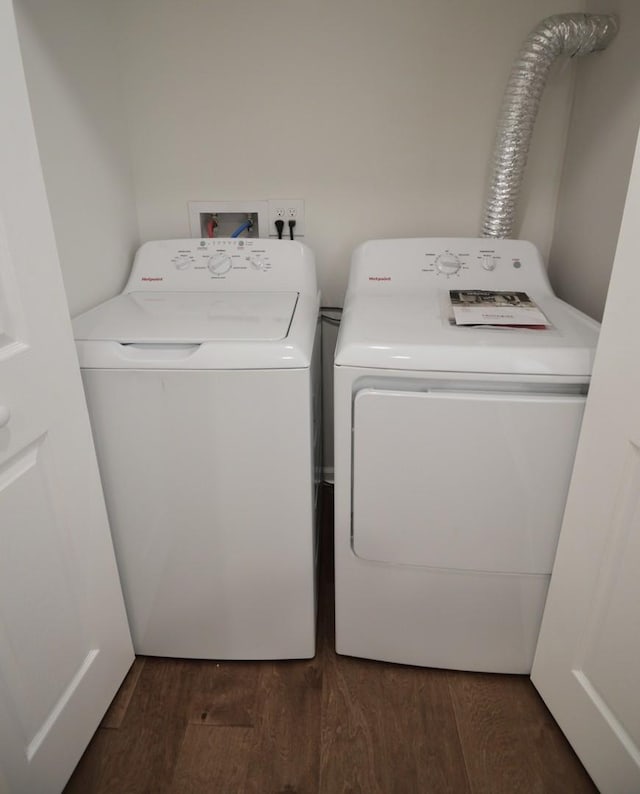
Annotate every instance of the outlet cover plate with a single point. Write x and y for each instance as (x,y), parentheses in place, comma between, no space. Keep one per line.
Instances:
(286,209)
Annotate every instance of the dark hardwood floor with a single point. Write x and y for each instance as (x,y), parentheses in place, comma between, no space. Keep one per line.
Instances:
(330,724)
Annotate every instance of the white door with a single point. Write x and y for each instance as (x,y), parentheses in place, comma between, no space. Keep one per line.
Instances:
(587,663)
(64,640)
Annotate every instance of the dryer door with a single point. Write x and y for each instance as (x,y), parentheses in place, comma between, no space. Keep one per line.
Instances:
(467,480)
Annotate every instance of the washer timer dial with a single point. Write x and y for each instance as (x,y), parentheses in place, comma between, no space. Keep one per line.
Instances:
(219,264)
(448,264)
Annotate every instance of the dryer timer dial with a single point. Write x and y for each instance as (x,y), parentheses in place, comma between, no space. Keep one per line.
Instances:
(448,264)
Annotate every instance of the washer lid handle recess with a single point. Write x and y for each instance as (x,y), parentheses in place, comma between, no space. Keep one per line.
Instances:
(157,352)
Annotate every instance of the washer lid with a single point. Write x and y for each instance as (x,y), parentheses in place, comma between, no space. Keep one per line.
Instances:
(188,317)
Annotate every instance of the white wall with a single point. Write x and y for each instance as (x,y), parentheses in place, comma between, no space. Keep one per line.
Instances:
(600,146)
(379,114)
(73,76)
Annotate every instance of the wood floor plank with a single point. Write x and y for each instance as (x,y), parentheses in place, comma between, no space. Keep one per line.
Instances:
(213,759)
(286,755)
(88,775)
(118,708)
(140,756)
(224,694)
(388,729)
(90,770)
(510,740)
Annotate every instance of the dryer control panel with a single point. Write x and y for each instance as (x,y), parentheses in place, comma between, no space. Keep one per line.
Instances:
(435,263)
(234,264)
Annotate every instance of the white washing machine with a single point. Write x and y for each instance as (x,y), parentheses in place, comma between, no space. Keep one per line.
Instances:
(454,447)
(202,382)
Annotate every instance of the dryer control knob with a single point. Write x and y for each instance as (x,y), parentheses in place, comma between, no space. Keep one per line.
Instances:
(448,264)
(219,264)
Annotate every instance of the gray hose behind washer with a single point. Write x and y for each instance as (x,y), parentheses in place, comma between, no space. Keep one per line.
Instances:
(562,34)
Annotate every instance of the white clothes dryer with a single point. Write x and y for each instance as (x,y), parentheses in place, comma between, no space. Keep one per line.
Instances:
(202,380)
(454,447)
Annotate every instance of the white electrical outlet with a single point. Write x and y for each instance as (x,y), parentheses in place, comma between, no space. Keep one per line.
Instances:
(286,210)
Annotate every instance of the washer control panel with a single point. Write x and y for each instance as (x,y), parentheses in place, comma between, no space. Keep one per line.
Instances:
(221,255)
(224,263)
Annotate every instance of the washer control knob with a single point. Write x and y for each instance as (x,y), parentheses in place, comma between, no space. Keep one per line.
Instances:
(489,262)
(182,261)
(448,264)
(219,264)
(257,262)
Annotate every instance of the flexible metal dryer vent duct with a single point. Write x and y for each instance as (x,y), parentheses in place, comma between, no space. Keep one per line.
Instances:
(562,34)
